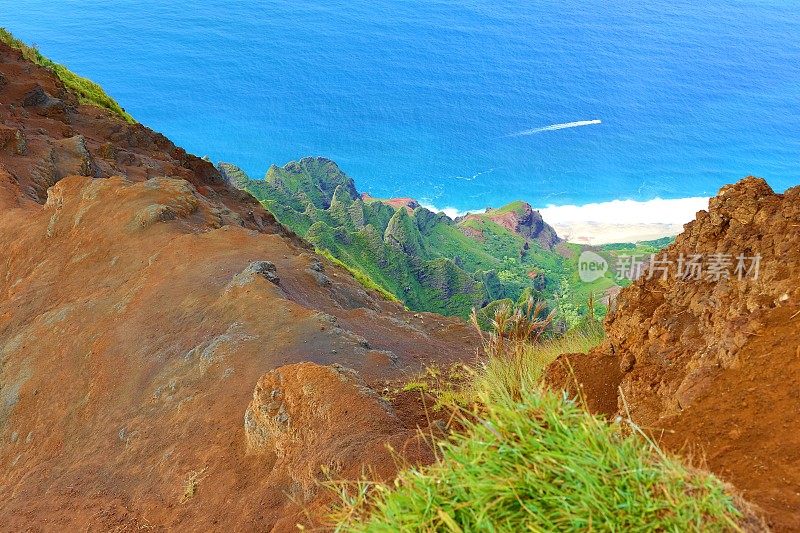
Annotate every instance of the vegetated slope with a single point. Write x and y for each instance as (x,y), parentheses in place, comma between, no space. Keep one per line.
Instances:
(86,90)
(146,310)
(712,367)
(425,259)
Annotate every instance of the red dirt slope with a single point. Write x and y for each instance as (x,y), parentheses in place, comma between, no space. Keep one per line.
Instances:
(138,313)
(712,367)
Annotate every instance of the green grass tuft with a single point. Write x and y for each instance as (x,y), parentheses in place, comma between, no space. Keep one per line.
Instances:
(512,377)
(88,92)
(415,386)
(528,459)
(542,463)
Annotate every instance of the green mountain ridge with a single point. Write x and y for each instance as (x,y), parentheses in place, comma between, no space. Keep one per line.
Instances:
(425,259)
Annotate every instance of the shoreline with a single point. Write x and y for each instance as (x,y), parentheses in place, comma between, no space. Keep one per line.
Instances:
(599,233)
(611,222)
(622,220)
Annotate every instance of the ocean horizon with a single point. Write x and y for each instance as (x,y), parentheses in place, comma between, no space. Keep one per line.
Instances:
(459,104)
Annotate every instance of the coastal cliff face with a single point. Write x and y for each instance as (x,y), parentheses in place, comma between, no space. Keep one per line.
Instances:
(711,358)
(143,302)
(425,259)
(523,220)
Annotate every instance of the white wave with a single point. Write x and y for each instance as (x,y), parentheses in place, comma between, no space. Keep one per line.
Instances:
(451,212)
(614,221)
(655,211)
(596,233)
(622,220)
(554,127)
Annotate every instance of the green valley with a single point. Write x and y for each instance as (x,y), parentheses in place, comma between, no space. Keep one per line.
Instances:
(427,260)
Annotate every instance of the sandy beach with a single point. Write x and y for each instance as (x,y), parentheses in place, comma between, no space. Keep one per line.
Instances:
(622,220)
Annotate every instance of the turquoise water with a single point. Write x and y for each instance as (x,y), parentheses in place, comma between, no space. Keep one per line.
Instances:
(423,98)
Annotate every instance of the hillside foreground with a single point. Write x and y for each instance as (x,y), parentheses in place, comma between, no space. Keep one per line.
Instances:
(172,357)
(141,301)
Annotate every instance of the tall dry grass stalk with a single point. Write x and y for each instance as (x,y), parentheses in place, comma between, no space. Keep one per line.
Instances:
(513,329)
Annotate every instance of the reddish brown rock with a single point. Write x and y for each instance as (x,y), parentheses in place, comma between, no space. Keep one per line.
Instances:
(312,422)
(522,220)
(140,304)
(408,203)
(687,330)
(12,141)
(711,366)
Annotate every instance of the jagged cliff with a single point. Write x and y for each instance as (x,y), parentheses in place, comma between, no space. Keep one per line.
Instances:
(142,299)
(520,218)
(705,352)
(425,259)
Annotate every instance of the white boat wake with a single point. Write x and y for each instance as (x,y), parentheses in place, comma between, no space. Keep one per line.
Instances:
(554,127)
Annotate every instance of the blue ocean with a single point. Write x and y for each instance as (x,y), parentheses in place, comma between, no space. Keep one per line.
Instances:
(459,103)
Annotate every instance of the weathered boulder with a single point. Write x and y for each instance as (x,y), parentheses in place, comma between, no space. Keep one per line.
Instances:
(264,269)
(305,404)
(44,103)
(64,157)
(312,420)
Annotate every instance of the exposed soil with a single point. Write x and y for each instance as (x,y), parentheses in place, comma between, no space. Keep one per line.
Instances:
(745,426)
(711,368)
(594,380)
(142,299)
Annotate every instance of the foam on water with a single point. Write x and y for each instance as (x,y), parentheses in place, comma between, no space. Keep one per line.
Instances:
(555,127)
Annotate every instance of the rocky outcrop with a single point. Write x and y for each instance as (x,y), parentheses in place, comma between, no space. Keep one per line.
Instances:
(309,421)
(522,219)
(263,269)
(702,350)
(45,104)
(47,134)
(688,325)
(63,157)
(308,424)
